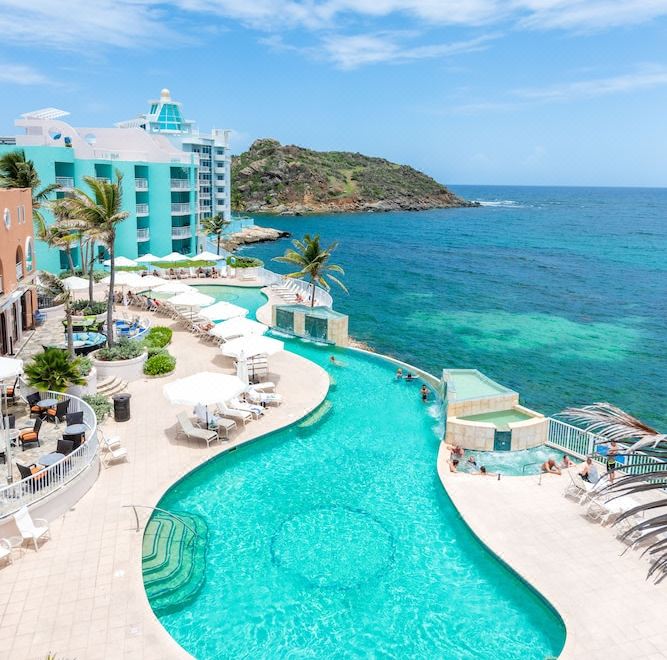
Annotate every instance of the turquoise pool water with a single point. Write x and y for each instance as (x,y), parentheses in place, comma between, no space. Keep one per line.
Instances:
(249,297)
(341,542)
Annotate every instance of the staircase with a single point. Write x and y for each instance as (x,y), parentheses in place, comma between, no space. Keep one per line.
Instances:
(111,386)
(173,560)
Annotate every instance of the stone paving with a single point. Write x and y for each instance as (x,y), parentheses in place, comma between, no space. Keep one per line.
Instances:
(609,609)
(81,596)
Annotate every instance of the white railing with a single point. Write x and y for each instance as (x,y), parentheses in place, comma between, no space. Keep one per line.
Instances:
(142,209)
(65,181)
(19,272)
(141,184)
(180,208)
(322,298)
(55,477)
(221,195)
(220,170)
(204,195)
(180,184)
(181,232)
(204,168)
(582,444)
(143,234)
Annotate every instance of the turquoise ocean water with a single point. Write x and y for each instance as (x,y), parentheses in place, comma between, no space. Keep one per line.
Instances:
(559,293)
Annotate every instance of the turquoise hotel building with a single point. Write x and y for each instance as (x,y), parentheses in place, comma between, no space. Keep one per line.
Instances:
(172,175)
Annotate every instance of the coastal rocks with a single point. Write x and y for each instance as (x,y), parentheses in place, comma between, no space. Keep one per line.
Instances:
(253,234)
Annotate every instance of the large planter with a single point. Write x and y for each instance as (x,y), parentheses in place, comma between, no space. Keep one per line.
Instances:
(127,370)
(89,388)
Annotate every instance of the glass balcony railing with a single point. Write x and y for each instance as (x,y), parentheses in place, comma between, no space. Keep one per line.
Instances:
(65,181)
(142,209)
(143,235)
(141,184)
(181,232)
(180,209)
(180,184)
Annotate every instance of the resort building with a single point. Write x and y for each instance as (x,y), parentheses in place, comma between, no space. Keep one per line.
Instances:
(172,175)
(17,268)
(211,151)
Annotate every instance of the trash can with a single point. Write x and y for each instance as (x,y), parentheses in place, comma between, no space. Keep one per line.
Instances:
(121,407)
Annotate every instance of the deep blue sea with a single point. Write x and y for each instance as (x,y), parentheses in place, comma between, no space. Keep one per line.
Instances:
(559,293)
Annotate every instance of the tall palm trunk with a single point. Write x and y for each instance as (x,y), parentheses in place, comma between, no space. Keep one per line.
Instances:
(312,295)
(82,257)
(68,323)
(218,244)
(112,277)
(68,251)
(91,280)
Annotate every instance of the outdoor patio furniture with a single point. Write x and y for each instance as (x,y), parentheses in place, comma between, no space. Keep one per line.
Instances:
(32,400)
(113,451)
(30,436)
(6,550)
(65,446)
(234,413)
(76,439)
(10,391)
(74,418)
(188,429)
(30,471)
(57,414)
(31,530)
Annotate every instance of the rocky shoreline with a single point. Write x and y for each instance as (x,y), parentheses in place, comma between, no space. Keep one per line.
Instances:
(252,234)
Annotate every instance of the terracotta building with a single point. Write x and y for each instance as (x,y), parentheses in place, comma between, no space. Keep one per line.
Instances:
(18,299)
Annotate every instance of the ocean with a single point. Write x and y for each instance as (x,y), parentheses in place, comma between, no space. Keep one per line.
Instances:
(558,293)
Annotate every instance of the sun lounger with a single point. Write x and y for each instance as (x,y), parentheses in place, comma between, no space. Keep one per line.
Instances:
(263,398)
(234,413)
(189,430)
(256,411)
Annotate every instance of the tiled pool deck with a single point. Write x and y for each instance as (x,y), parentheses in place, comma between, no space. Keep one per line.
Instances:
(81,596)
(609,609)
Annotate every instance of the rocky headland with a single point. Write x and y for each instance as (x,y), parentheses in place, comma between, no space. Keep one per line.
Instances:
(291,180)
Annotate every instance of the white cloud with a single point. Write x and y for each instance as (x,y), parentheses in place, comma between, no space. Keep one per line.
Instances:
(19,74)
(646,77)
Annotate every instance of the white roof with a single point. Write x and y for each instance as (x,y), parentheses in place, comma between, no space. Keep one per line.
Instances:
(45,113)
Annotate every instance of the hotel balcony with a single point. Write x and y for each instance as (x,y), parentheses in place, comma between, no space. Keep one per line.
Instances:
(141,184)
(220,170)
(66,182)
(180,209)
(181,232)
(221,196)
(204,195)
(180,184)
(205,169)
(142,210)
(143,235)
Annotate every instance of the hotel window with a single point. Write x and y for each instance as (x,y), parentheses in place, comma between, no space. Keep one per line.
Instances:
(220,177)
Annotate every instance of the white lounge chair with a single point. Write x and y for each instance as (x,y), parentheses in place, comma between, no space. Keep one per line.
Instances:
(31,530)
(6,550)
(267,386)
(189,430)
(256,411)
(113,451)
(234,413)
(254,396)
(577,489)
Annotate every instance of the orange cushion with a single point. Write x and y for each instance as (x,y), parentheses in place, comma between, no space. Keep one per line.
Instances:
(35,409)
(28,435)
(35,470)
(10,391)
(51,411)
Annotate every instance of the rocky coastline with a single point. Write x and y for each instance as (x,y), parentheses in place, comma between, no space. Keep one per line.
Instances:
(250,235)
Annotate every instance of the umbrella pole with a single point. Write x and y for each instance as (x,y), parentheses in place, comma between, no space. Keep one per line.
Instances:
(4,425)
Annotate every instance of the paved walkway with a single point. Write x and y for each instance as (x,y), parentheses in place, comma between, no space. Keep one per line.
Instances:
(81,596)
(609,609)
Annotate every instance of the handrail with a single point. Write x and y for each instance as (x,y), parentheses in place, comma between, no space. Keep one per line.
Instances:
(134,507)
(38,486)
(525,465)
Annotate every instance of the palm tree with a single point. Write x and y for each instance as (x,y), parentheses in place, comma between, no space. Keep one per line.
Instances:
(98,215)
(61,296)
(313,262)
(17,172)
(215,226)
(54,370)
(612,423)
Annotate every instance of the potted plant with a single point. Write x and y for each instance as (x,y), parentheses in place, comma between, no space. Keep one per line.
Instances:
(54,370)
(124,360)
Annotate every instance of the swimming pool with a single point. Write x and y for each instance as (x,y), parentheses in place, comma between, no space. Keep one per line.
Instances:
(465,384)
(341,542)
(250,297)
(500,418)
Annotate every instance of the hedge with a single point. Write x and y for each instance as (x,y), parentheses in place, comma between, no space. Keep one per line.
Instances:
(158,336)
(160,364)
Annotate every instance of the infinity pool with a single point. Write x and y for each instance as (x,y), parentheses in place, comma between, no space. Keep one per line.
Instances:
(341,542)
(249,297)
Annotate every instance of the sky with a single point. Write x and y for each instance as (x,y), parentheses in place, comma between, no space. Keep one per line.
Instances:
(517,92)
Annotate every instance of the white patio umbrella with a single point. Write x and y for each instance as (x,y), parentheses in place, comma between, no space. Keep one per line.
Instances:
(123,278)
(9,368)
(191,299)
(75,283)
(173,287)
(237,327)
(151,281)
(174,256)
(120,261)
(207,256)
(206,387)
(251,345)
(147,259)
(222,310)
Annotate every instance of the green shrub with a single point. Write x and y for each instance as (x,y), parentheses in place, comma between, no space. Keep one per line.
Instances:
(85,365)
(124,349)
(53,370)
(131,269)
(160,364)
(183,264)
(97,274)
(244,262)
(155,350)
(158,336)
(100,404)
(87,308)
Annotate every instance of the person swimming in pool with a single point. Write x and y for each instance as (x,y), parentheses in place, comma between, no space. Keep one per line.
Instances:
(410,377)
(424,393)
(399,373)
(549,467)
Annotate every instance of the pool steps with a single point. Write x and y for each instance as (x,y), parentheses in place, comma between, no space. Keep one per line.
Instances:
(174,560)
(316,416)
